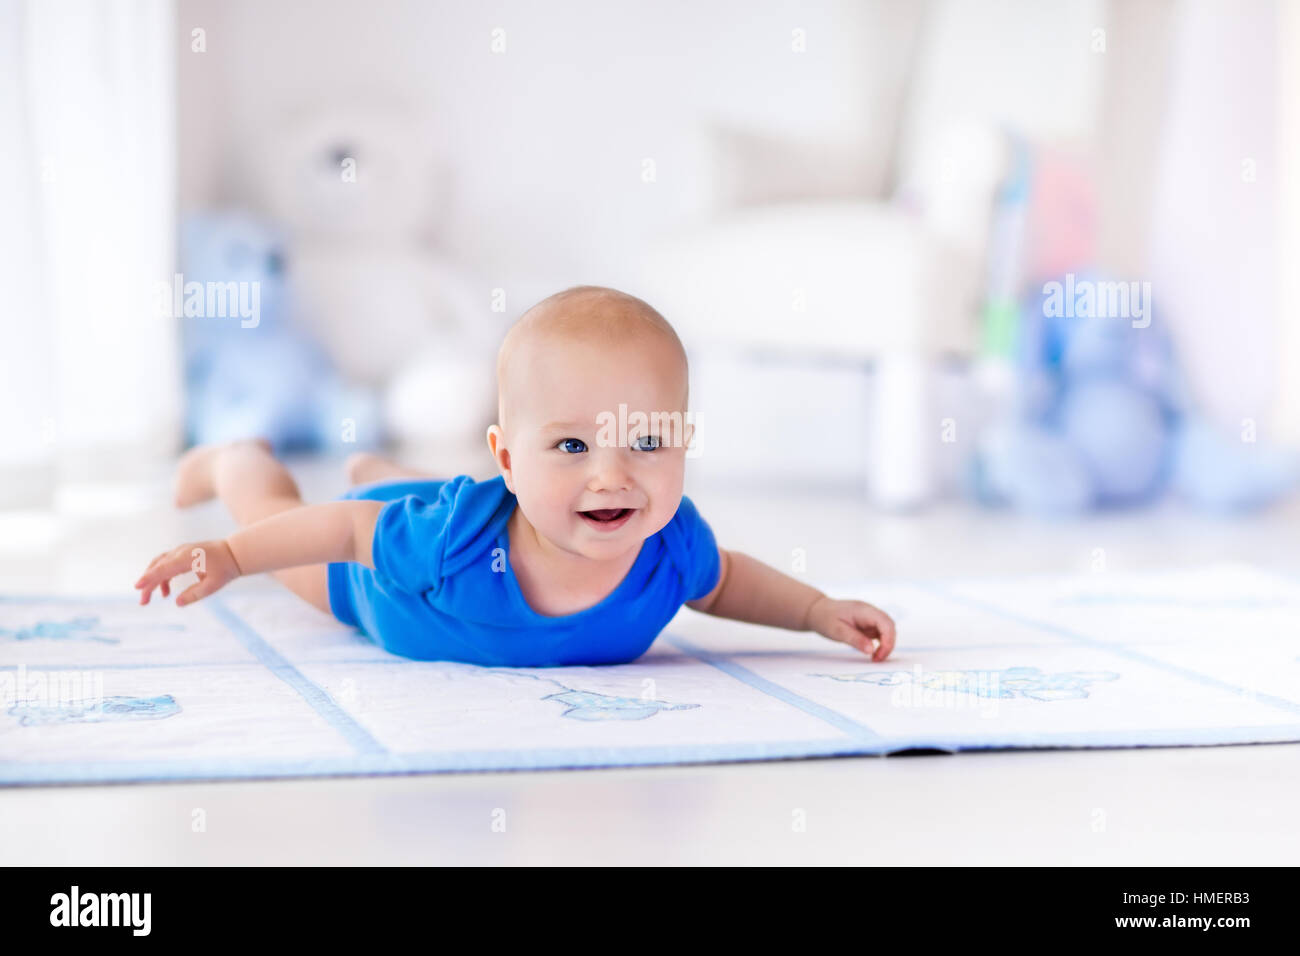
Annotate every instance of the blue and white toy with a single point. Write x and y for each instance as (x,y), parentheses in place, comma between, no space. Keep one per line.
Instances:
(1102,419)
(249,370)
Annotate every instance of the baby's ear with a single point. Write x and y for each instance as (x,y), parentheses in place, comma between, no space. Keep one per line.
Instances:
(496,445)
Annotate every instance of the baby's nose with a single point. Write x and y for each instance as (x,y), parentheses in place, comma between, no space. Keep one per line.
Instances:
(610,470)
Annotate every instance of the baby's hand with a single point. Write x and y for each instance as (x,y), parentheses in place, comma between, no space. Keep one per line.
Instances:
(853,622)
(212,561)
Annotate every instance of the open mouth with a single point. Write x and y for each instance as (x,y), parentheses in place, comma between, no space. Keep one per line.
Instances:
(607,519)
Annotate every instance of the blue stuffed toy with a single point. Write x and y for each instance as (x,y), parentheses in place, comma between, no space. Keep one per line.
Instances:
(1101,417)
(249,371)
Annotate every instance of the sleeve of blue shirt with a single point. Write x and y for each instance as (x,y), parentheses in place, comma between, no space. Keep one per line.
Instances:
(700,566)
(409,541)
(412,535)
(418,541)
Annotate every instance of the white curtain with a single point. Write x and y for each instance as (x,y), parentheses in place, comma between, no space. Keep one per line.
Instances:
(89,370)
(1287,412)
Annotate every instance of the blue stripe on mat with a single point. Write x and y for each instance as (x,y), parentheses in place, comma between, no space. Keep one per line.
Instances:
(578,758)
(319,701)
(848,725)
(544,758)
(1120,649)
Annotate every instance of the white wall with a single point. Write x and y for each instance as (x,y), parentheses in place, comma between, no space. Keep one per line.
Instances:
(1286,417)
(1212,262)
(544,144)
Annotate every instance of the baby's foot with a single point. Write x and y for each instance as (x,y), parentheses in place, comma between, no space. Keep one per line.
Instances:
(193,482)
(363,468)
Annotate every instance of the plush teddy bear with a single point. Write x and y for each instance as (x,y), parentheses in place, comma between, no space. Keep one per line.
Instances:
(251,369)
(360,194)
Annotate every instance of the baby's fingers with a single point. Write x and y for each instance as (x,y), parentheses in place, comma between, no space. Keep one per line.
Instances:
(160,572)
(846,633)
(150,566)
(870,618)
(199,590)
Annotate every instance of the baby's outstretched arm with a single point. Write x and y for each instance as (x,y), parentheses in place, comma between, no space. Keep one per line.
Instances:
(748,590)
(312,534)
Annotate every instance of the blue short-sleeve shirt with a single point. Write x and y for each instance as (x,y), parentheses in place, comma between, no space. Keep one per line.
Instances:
(443,589)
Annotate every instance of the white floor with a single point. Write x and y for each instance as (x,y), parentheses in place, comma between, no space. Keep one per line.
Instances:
(1178,806)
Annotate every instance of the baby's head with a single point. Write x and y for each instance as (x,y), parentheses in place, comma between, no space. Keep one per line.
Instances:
(563,372)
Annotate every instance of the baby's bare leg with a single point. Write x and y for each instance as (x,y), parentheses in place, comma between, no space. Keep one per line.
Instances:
(363,468)
(252,485)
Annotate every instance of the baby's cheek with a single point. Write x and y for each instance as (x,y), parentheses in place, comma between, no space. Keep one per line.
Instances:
(557,505)
(659,516)
(535,487)
(669,492)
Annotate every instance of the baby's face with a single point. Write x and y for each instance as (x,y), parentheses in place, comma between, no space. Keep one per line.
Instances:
(563,465)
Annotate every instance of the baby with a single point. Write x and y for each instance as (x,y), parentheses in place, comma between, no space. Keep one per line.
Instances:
(579,552)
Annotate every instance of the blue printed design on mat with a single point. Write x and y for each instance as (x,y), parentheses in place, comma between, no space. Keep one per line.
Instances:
(94,711)
(74,629)
(586,705)
(589,705)
(1027,683)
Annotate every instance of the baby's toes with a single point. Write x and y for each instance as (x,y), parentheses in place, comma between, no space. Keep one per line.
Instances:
(360,466)
(193,481)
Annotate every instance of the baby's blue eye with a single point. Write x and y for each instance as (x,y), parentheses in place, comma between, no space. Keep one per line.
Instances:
(573,446)
(646,443)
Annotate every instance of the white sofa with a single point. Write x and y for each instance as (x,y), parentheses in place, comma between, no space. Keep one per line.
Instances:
(879,288)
